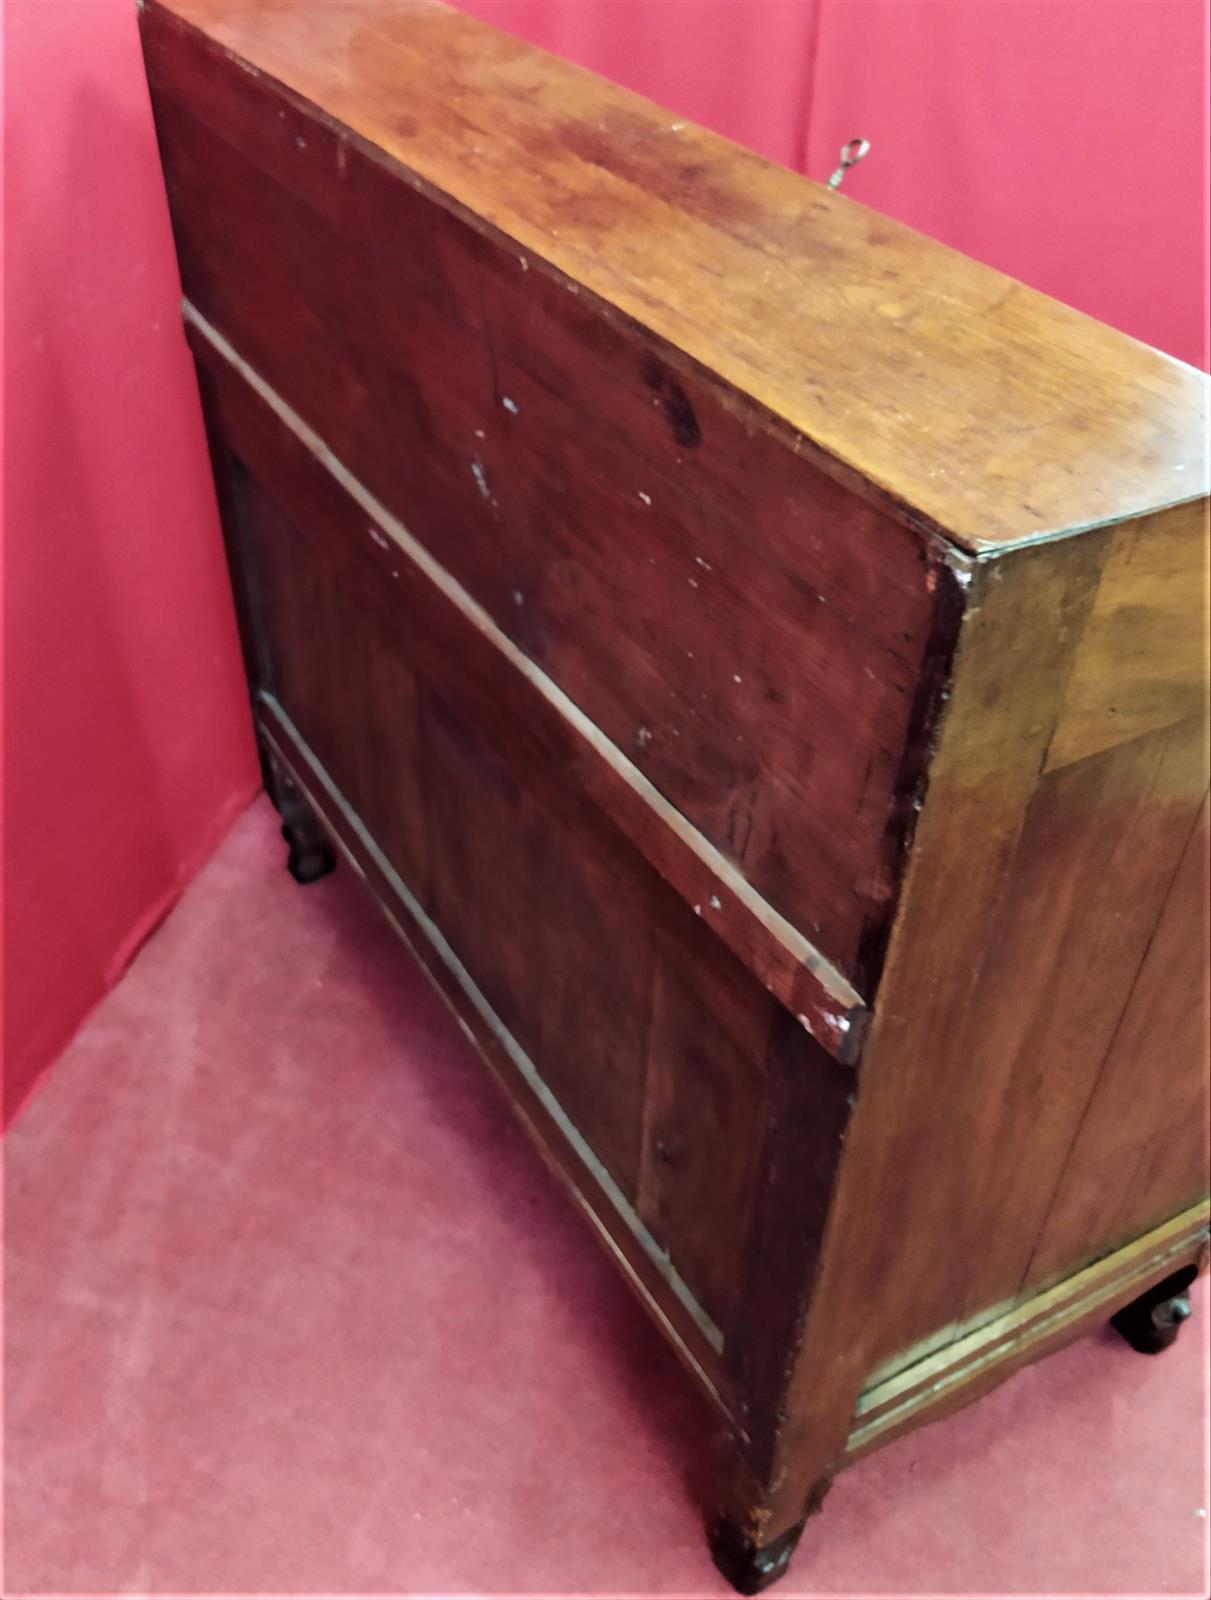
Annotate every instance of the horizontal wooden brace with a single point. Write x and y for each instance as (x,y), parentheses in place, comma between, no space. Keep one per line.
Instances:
(783,960)
(962,1370)
(695,1337)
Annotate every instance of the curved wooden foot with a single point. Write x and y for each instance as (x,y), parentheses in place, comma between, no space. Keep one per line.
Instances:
(1151,1323)
(311,855)
(307,862)
(748,1569)
(747,1565)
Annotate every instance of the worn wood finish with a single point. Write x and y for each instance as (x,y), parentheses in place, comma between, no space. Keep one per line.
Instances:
(557,733)
(636,586)
(757,660)
(1028,907)
(970,1365)
(795,296)
(695,1340)
(539,895)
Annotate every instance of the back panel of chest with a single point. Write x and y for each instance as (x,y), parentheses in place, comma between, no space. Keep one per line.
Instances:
(749,634)
(647,1053)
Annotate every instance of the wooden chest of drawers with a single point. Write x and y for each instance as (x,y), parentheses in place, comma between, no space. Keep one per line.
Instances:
(755,657)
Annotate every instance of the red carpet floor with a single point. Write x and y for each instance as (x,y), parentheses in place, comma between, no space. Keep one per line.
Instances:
(292,1308)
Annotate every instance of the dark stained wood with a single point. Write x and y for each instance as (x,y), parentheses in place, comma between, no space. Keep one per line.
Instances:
(955,1375)
(757,660)
(497,694)
(703,1111)
(844,325)
(311,856)
(537,893)
(305,609)
(803,1128)
(745,684)
(532,911)
(805,1116)
(571,1162)
(749,1567)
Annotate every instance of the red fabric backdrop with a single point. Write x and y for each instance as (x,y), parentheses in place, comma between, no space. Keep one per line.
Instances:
(1062,140)
(128,749)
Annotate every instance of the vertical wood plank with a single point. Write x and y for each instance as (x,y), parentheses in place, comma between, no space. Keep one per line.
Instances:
(1099,847)
(766,686)
(595,920)
(1142,1154)
(804,1117)
(706,1060)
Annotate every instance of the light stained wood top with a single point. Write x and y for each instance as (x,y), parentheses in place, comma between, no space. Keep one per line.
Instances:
(978,407)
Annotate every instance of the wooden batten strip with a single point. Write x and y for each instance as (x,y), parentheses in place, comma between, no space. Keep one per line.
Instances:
(782,959)
(940,1382)
(696,1337)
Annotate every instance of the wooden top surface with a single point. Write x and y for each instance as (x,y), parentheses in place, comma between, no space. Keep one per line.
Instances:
(981,408)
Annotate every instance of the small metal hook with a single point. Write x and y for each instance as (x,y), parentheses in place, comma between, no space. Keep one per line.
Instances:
(851,153)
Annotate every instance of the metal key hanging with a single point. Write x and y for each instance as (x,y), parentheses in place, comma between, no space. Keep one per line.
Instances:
(851,153)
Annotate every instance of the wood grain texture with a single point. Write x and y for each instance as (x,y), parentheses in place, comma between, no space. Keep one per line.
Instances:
(804,1124)
(1031,902)
(720,623)
(696,1344)
(1143,660)
(700,1152)
(497,695)
(924,1137)
(1142,1150)
(625,1003)
(1099,846)
(836,321)
(757,659)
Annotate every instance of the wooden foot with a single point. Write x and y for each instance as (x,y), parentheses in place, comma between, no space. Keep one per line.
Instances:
(1151,1323)
(311,855)
(751,1567)
(747,1568)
